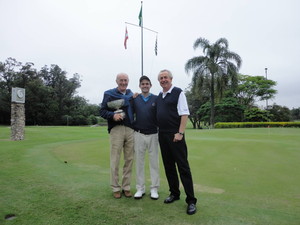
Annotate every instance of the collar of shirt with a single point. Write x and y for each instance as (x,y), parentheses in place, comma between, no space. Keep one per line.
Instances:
(146,98)
(123,93)
(164,94)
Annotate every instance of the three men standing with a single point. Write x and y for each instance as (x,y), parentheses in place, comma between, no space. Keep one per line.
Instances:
(171,111)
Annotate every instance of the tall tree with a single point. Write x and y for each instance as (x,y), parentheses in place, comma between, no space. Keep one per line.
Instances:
(196,97)
(8,75)
(49,93)
(254,88)
(218,64)
(62,89)
(280,113)
(295,113)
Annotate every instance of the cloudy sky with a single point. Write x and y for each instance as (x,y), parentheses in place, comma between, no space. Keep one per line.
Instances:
(87,36)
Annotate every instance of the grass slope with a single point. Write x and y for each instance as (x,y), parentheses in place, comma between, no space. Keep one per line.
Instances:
(60,176)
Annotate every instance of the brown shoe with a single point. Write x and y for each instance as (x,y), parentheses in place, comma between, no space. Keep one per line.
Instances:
(117,194)
(127,194)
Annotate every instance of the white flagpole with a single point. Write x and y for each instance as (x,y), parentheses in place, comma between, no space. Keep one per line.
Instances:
(142,44)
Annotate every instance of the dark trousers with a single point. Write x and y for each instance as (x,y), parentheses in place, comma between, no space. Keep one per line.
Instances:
(175,153)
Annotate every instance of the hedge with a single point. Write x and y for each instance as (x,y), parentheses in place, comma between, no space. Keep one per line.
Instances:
(256,124)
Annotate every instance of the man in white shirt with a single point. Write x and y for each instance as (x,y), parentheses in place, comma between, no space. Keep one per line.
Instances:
(172,115)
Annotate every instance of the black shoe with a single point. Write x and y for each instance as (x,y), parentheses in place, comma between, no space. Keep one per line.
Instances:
(191,209)
(171,199)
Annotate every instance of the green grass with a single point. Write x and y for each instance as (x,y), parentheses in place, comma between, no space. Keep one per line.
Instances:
(60,176)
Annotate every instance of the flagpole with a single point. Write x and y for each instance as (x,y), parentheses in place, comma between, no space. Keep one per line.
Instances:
(142,44)
(142,39)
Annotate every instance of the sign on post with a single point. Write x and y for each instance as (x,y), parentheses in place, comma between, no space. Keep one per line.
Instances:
(17,113)
(18,95)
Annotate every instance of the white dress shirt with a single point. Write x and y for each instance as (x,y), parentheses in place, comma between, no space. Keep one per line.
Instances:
(182,106)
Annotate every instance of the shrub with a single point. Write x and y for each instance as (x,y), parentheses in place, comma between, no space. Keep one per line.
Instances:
(256,124)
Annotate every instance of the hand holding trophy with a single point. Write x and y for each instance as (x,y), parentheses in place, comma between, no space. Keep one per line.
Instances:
(117,104)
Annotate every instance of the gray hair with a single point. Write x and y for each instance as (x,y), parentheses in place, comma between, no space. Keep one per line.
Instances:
(121,74)
(165,70)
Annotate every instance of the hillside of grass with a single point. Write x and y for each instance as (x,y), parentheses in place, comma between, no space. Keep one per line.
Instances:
(60,176)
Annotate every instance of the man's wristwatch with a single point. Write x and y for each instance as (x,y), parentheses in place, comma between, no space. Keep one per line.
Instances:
(180,133)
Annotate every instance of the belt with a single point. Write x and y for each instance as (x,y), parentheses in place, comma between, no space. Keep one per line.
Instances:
(146,132)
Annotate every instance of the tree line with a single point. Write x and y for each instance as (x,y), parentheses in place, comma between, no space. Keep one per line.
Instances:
(50,96)
(218,93)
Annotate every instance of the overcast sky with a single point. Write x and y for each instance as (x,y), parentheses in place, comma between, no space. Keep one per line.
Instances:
(87,36)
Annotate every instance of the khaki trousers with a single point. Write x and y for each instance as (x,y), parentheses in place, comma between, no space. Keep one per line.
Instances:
(142,143)
(121,139)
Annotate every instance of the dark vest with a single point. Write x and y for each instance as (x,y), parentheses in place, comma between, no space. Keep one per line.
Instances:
(145,115)
(167,116)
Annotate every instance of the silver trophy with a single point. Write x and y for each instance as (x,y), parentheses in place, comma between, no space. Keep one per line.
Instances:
(117,104)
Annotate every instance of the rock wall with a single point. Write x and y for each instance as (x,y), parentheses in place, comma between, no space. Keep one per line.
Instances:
(17,121)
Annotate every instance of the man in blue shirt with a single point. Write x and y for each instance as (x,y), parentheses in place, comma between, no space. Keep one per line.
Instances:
(121,132)
(146,138)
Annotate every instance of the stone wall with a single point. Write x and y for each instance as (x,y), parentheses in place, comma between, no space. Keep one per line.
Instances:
(17,121)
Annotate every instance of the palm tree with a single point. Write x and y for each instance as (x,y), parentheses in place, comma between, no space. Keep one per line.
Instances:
(218,67)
